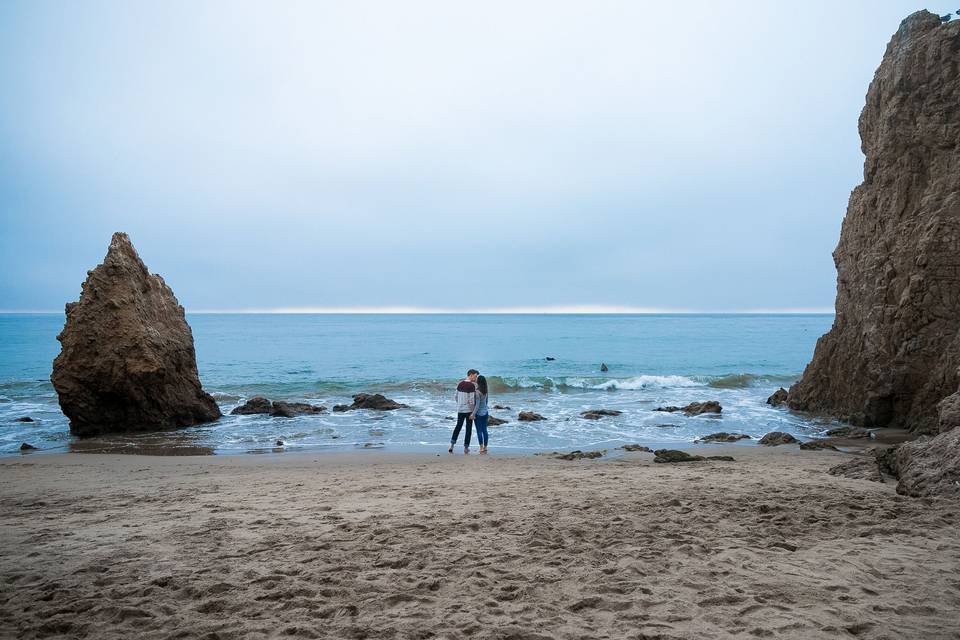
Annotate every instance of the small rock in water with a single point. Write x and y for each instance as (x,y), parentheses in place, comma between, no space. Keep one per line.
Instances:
(25,419)
(812,445)
(501,407)
(549,359)
(775,438)
(340,408)
(636,447)
(529,416)
(723,436)
(779,397)
(695,408)
(596,414)
(27,447)
(279,443)
(496,422)
(603,367)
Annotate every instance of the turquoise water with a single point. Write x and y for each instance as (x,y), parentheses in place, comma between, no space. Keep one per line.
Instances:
(653,360)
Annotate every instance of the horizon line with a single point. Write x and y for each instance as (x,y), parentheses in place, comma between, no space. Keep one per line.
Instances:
(524,310)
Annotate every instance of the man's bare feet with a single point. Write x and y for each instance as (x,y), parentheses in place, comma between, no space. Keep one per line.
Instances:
(450,450)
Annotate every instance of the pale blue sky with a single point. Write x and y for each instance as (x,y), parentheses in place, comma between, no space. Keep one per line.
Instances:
(436,154)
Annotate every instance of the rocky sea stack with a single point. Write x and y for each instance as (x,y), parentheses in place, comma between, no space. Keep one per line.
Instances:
(127,361)
(894,350)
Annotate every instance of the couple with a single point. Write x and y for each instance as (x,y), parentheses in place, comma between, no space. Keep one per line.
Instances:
(471,407)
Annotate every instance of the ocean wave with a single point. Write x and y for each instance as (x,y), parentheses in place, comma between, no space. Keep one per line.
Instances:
(745,380)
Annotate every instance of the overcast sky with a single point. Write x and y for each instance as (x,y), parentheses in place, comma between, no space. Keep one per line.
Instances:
(436,154)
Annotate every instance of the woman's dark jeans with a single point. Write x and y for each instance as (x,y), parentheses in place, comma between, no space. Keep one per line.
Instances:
(482,429)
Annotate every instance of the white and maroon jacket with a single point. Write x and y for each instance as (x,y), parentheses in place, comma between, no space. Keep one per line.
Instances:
(466,396)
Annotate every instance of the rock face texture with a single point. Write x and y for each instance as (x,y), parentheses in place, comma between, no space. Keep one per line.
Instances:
(127,361)
(894,348)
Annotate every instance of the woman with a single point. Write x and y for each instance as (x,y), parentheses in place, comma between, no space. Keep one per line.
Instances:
(481,415)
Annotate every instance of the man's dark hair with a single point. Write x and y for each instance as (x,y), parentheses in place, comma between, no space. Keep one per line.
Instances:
(472,371)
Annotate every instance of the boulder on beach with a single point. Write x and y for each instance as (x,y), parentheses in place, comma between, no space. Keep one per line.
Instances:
(636,447)
(27,447)
(859,468)
(694,408)
(495,422)
(849,432)
(776,438)
(930,467)
(529,416)
(596,414)
(127,361)
(723,436)
(815,445)
(779,397)
(576,455)
(894,349)
(674,455)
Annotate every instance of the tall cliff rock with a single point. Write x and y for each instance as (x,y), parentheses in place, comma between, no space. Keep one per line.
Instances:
(894,349)
(127,361)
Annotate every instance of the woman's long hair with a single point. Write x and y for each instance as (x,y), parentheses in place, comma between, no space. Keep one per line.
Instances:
(482,385)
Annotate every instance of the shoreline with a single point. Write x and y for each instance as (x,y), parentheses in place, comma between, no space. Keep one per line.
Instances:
(499,546)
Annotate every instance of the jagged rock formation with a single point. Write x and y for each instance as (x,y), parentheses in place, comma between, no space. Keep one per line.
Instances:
(127,361)
(894,348)
(695,408)
(277,408)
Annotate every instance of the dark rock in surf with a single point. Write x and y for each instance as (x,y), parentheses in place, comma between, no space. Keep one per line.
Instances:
(501,407)
(723,436)
(894,349)
(496,422)
(603,367)
(340,408)
(27,447)
(256,404)
(779,397)
(375,402)
(529,416)
(636,447)
(776,438)
(127,361)
(694,408)
(25,419)
(596,414)
(283,409)
(549,359)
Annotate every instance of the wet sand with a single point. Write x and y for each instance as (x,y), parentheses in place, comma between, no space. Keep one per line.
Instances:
(380,545)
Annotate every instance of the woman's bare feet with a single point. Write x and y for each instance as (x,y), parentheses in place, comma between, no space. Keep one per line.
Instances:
(466,450)
(450,450)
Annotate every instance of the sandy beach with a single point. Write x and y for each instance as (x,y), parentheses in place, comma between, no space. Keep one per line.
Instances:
(377,545)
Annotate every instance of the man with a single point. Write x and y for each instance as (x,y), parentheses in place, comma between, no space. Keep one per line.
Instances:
(466,398)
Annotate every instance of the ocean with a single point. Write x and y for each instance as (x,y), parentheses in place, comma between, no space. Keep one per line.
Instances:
(417,359)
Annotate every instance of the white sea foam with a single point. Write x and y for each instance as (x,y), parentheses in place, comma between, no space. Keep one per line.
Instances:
(646,382)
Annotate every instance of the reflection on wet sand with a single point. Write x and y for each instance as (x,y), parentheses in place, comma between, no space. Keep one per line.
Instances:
(164,443)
